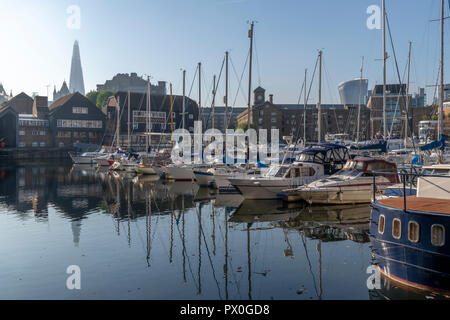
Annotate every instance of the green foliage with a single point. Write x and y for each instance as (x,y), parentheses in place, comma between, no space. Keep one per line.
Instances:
(244,126)
(92,96)
(102,97)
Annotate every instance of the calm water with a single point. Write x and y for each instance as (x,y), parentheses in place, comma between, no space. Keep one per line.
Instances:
(136,238)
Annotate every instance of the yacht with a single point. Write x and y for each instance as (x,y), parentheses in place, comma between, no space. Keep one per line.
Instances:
(353,184)
(313,163)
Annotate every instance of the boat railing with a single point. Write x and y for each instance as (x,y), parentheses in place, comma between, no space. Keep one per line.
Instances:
(404,177)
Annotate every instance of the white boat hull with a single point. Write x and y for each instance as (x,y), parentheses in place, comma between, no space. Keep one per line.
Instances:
(261,189)
(343,195)
(83,160)
(203,178)
(145,170)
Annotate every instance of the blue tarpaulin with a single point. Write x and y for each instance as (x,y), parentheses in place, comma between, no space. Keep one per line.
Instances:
(374,145)
(438,144)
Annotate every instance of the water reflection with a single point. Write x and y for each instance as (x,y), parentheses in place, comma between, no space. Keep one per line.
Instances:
(197,243)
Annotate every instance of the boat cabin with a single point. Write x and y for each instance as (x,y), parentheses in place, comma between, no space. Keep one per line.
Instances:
(297,170)
(369,166)
(332,156)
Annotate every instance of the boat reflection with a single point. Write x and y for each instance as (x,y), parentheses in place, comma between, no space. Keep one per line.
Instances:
(265,211)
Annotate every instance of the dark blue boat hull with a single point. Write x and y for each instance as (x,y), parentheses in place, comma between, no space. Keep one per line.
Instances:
(421,265)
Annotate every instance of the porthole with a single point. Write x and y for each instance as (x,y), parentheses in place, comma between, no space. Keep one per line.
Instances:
(396,228)
(437,235)
(413,231)
(381,221)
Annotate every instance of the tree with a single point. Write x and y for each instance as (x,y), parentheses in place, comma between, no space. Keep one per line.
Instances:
(103,97)
(92,96)
(243,126)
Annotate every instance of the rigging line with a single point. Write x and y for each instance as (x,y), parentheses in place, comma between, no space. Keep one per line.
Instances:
(257,60)
(185,252)
(209,256)
(397,69)
(307,99)
(309,263)
(327,80)
(193,80)
(239,89)
(301,92)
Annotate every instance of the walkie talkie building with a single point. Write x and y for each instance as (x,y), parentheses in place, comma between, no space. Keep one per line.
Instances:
(353,91)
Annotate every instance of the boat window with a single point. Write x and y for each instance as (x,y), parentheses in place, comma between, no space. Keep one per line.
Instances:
(281,172)
(359,165)
(306,158)
(348,173)
(437,235)
(413,231)
(381,224)
(396,228)
(350,165)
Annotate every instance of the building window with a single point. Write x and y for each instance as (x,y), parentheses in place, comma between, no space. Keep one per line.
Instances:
(35,133)
(21,133)
(274,120)
(42,144)
(61,144)
(42,133)
(413,231)
(79,110)
(21,144)
(191,116)
(34,144)
(437,235)
(396,228)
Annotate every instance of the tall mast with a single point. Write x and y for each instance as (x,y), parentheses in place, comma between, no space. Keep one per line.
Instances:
(214,103)
(319,108)
(407,96)
(200,91)
(226,91)
(184,99)
(360,96)
(149,110)
(118,123)
(441,83)
(171,109)
(129,119)
(249,106)
(384,71)
(304,110)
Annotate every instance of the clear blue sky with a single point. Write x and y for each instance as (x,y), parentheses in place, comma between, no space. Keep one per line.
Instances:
(161,37)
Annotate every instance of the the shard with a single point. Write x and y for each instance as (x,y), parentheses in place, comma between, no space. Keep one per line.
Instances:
(76,72)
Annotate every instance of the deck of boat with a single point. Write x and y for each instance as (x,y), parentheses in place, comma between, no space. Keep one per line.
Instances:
(414,203)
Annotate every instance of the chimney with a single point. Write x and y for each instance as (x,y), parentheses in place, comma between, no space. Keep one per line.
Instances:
(271,98)
(40,106)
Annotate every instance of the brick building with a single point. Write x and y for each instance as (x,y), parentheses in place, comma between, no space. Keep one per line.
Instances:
(288,118)
(70,119)
(160,117)
(75,119)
